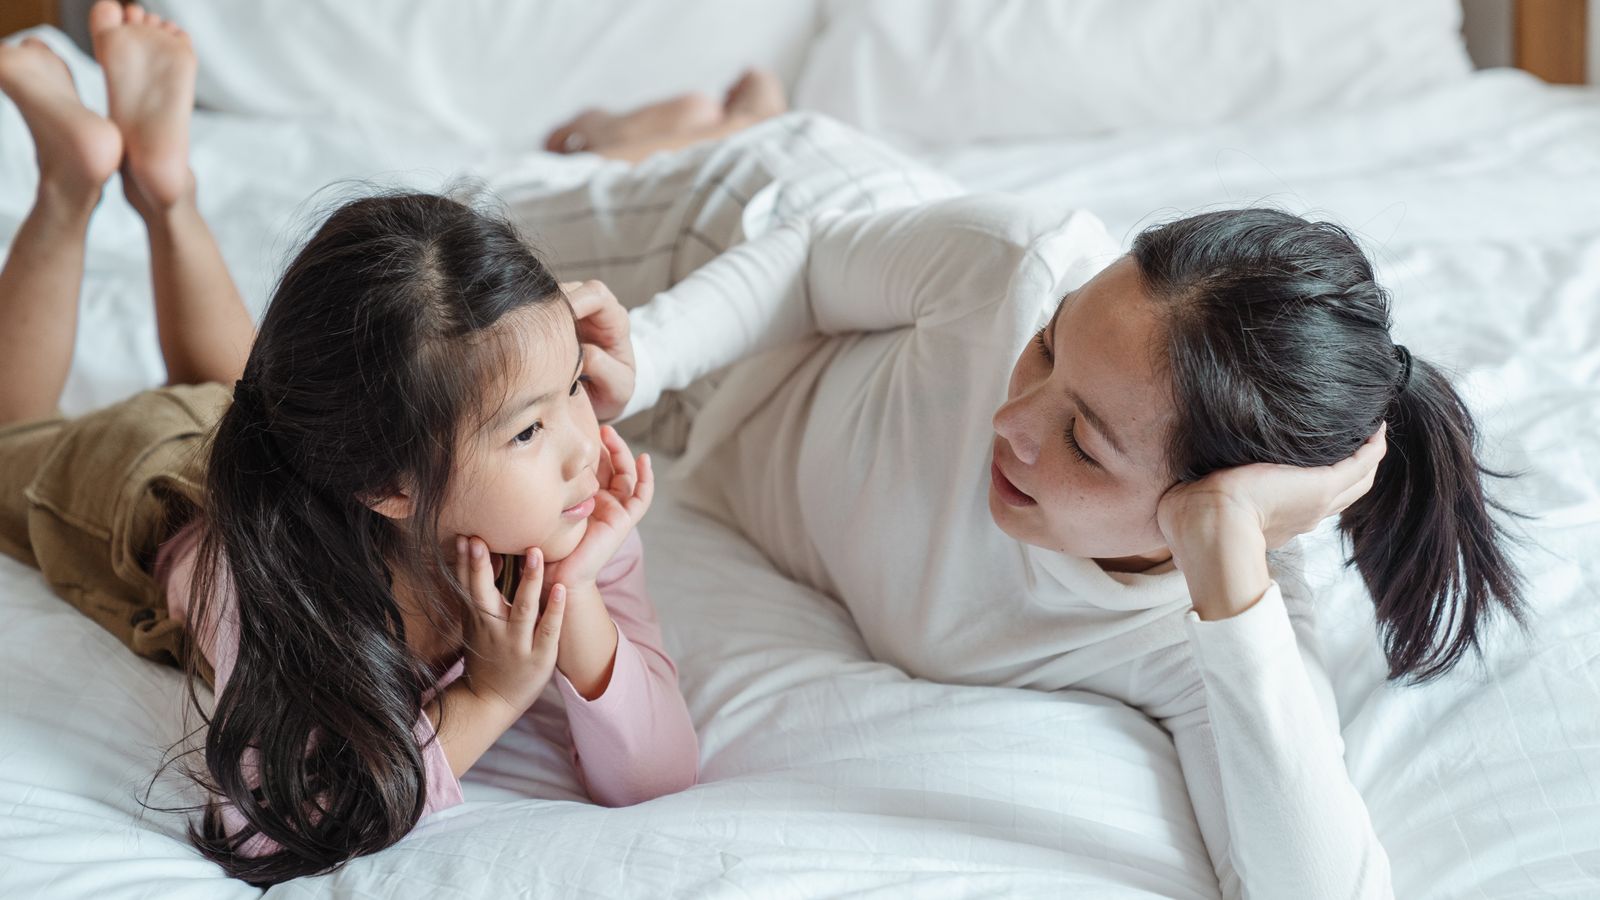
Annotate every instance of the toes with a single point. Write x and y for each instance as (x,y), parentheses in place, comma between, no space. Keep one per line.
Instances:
(134,15)
(151,18)
(105,14)
(566,139)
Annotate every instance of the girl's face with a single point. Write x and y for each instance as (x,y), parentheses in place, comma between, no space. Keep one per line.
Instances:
(526,477)
(1079,459)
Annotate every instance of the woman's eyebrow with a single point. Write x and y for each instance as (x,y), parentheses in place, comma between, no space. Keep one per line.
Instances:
(1092,417)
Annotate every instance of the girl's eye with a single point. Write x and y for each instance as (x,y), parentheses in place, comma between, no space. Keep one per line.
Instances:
(528,434)
(582,380)
(1077,449)
(1044,345)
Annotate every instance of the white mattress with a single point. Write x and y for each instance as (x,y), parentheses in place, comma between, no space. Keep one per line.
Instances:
(827,773)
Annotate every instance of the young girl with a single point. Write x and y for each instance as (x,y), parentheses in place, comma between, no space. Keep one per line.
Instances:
(1013,473)
(323,543)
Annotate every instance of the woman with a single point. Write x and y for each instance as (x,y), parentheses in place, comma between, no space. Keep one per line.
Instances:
(1013,473)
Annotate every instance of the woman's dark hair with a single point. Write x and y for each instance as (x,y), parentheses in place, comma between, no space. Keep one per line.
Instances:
(375,352)
(1277,339)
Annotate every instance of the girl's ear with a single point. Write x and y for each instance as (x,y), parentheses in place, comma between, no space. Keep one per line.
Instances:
(395,504)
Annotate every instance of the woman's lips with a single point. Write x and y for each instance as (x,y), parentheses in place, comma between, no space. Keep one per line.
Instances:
(581,511)
(1009,493)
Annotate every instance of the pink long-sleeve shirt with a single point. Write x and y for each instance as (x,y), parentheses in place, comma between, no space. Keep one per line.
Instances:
(632,743)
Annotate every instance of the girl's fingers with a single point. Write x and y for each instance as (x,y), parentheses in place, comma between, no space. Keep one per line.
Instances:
(526,610)
(624,472)
(484,593)
(547,634)
(646,490)
(463,570)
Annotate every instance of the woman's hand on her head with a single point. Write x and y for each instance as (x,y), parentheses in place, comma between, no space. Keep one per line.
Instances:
(1281,501)
(605,334)
(511,648)
(619,505)
(1220,527)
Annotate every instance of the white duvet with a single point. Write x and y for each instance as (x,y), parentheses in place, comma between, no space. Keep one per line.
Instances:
(826,773)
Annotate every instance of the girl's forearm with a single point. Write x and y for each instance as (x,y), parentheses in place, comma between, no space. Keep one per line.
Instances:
(471,724)
(588,642)
(1223,557)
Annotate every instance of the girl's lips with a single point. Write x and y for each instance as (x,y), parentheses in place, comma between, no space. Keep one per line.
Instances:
(581,511)
(1009,493)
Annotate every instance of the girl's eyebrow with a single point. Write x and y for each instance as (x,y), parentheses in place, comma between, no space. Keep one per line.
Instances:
(510,412)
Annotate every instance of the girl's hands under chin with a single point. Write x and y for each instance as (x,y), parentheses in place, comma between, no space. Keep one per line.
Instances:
(627,486)
(1220,527)
(605,333)
(511,648)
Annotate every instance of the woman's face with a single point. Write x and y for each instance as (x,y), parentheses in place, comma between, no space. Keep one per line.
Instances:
(1079,461)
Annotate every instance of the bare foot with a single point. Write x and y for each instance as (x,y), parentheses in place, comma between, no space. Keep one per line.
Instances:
(150,71)
(596,131)
(757,95)
(77,148)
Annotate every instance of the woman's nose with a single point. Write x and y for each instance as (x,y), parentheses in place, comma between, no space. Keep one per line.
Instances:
(1013,422)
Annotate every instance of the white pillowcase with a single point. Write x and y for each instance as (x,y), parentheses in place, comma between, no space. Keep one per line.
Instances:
(954,71)
(497,72)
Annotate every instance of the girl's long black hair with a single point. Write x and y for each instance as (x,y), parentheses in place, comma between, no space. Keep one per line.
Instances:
(1279,350)
(375,351)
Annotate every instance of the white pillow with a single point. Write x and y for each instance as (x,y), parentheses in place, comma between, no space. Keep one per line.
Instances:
(498,72)
(954,71)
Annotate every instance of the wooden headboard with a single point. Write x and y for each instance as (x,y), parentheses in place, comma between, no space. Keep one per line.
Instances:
(16,15)
(1549,37)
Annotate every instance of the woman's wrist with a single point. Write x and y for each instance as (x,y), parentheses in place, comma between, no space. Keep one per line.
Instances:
(1223,556)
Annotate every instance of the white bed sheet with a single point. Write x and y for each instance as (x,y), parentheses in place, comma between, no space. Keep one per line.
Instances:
(827,773)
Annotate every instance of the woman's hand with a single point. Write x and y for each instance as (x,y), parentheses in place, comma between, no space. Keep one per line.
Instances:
(604,332)
(624,496)
(511,649)
(1220,527)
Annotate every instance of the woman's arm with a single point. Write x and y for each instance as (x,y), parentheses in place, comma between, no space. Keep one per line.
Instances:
(842,273)
(1262,755)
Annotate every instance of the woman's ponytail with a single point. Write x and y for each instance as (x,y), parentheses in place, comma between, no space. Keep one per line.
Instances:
(1280,351)
(1424,538)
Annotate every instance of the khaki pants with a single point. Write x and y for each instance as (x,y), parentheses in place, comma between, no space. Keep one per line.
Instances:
(88,502)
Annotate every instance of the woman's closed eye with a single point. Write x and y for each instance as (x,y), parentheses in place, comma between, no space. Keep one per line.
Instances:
(1077,448)
(1072,439)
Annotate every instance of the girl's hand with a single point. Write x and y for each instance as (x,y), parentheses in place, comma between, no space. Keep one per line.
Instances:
(1220,527)
(511,649)
(603,330)
(621,502)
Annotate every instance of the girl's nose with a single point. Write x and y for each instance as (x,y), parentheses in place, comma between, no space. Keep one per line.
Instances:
(1013,422)
(583,454)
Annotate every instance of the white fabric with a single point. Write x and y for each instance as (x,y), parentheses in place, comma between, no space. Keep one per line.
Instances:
(829,774)
(496,72)
(943,72)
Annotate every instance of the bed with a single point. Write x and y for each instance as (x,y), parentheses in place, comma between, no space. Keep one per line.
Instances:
(826,773)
